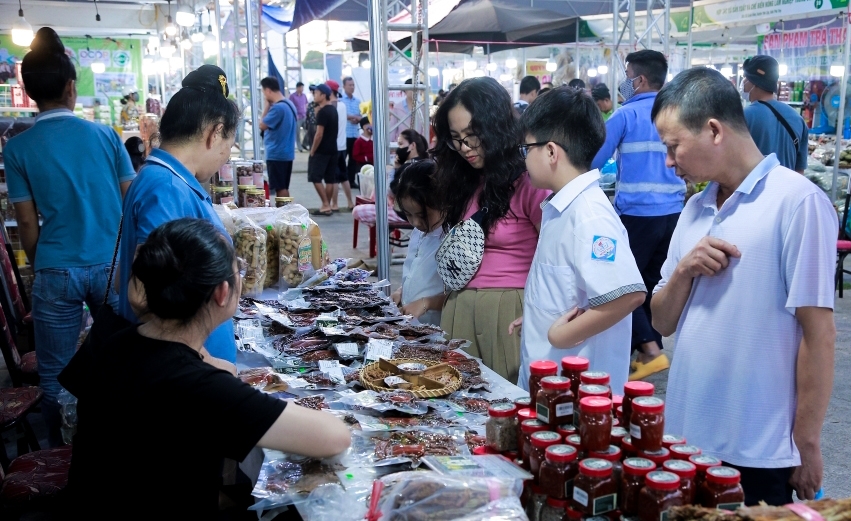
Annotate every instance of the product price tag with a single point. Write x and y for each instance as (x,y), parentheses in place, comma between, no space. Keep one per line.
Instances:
(347,349)
(332,368)
(378,348)
(324,320)
(281,319)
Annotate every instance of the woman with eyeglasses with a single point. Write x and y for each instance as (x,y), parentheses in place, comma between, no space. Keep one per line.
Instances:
(479,166)
(155,418)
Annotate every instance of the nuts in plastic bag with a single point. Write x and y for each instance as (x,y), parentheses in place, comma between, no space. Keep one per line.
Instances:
(249,240)
(292,227)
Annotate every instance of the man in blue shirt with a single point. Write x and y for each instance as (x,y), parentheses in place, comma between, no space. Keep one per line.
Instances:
(353,117)
(775,126)
(649,196)
(279,124)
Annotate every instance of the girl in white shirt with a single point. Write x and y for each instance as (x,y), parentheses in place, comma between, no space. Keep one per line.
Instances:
(421,293)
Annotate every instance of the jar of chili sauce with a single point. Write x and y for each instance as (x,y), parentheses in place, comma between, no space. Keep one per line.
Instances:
(586,390)
(703,462)
(538,370)
(595,378)
(684,452)
(594,490)
(721,489)
(522,415)
(555,401)
(669,440)
(632,481)
(618,434)
(617,403)
(656,456)
(529,427)
(574,440)
(627,448)
(572,367)
(595,423)
(661,492)
(686,472)
(647,423)
(566,429)
(612,454)
(558,470)
(632,390)
(540,442)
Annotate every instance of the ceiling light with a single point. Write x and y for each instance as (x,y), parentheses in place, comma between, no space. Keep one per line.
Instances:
(491,66)
(470,66)
(167,50)
(98,67)
(366,64)
(504,77)
(153,41)
(726,71)
(185,16)
(670,76)
(347,70)
(176,62)
(197,37)
(511,63)
(783,69)
(837,70)
(97,12)
(592,73)
(432,71)
(551,66)
(243,40)
(603,69)
(22,31)
(186,44)
(170,28)
(210,46)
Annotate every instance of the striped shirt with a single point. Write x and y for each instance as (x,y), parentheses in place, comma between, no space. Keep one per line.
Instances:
(731,389)
(646,187)
(352,109)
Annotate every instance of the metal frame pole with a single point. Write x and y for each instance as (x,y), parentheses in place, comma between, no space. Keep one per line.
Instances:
(252,81)
(380,103)
(690,34)
(219,32)
(613,84)
(666,37)
(843,88)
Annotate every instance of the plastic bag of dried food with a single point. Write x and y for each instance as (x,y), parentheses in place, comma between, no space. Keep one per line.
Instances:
(226,215)
(292,229)
(249,240)
(266,218)
(427,496)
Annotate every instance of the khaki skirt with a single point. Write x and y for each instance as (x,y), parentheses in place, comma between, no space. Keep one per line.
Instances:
(483,316)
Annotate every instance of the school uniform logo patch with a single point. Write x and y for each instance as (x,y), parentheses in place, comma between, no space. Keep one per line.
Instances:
(603,249)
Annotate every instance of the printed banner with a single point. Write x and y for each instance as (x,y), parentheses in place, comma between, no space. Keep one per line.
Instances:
(807,53)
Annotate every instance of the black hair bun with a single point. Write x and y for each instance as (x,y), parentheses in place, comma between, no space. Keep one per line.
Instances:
(46,40)
(207,78)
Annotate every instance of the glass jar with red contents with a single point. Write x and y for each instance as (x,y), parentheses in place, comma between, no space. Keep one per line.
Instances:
(558,470)
(535,501)
(656,456)
(566,429)
(524,402)
(501,428)
(555,510)
(586,390)
(555,401)
(721,489)
(595,378)
(537,370)
(632,481)
(613,455)
(484,450)
(686,472)
(594,490)
(684,452)
(632,390)
(595,423)
(574,440)
(626,447)
(702,462)
(618,434)
(617,402)
(661,492)
(647,423)
(669,440)
(572,367)
(540,442)
(522,415)
(529,427)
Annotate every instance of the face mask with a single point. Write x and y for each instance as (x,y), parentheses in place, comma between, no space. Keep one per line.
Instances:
(402,154)
(626,88)
(746,96)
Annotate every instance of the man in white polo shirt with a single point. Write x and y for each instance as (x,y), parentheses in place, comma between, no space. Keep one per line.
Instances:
(748,288)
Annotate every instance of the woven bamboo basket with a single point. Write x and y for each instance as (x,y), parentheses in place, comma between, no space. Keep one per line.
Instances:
(371,372)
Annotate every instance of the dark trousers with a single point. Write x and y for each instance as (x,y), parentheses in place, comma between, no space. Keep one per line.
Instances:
(352,168)
(649,238)
(769,485)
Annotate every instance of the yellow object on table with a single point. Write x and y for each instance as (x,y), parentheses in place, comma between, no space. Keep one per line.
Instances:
(21,257)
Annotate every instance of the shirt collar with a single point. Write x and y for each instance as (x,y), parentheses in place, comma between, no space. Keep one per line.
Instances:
(55,113)
(181,171)
(562,199)
(639,97)
(710,195)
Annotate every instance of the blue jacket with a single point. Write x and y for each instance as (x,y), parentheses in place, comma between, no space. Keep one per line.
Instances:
(646,187)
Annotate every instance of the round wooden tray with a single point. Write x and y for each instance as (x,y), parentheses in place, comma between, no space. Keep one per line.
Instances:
(371,372)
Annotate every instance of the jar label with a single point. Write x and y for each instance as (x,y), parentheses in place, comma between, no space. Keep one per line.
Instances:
(635,431)
(576,417)
(605,504)
(543,412)
(663,516)
(732,507)
(564,409)
(580,496)
(568,488)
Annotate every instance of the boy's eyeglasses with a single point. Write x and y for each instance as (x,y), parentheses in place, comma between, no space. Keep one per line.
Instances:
(524,148)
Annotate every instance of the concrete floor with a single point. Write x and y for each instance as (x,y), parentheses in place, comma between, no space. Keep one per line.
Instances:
(337,231)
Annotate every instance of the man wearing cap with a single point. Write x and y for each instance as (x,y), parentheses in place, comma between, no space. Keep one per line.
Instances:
(322,164)
(775,126)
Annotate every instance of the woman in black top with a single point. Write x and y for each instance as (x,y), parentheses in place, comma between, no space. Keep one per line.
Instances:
(155,420)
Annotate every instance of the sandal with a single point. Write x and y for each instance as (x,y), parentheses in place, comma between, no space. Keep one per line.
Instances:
(317,211)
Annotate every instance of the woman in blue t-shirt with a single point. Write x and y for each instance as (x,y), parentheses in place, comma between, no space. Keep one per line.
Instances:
(197,132)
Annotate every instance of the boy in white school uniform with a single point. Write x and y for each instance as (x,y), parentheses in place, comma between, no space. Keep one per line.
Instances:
(583,283)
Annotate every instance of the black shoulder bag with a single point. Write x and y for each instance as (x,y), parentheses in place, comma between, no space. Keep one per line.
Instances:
(795,140)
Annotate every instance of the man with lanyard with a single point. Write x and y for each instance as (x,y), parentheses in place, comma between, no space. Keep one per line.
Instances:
(649,196)
(775,126)
(280,130)
(353,116)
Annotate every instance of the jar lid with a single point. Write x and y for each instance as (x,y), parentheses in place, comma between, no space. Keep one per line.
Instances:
(484,450)
(684,452)
(555,382)
(523,402)
(595,378)
(638,466)
(573,514)
(723,475)
(526,414)
(618,434)
(575,363)
(560,504)
(574,440)
(257,191)
(638,388)
(669,440)
(656,456)
(593,390)
(626,443)
(681,468)
(222,189)
(703,462)
(566,430)
(617,400)
(502,410)
(283,199)
(245,187)
(649,404)
(595,404)
(613,453)
(544,439)
(596,468)
(543,368)
(561,453)
(510,454)
(532,426)
(662,480)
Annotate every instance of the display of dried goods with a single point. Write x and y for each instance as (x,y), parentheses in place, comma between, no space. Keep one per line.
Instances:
(475,440)
(412,331)
(414,445)
(264,378)
(467,366)
(250,245)
(316,402)
(354,376)
(828,509)
(302,318)
(426,420)
(300,346)
(396,397)
(423,353)
(477,405)
(382,331)
(469,382)
(315,356)
(330,299)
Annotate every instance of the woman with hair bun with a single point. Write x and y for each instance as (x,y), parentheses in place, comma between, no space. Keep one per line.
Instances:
(197,132)
(74,173)
(163,434)
(479,166)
